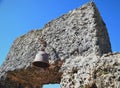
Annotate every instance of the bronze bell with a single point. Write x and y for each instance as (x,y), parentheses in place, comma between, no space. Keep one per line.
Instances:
(41,59)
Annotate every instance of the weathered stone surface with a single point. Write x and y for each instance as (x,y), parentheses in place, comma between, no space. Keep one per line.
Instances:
(86,72)
(76,44)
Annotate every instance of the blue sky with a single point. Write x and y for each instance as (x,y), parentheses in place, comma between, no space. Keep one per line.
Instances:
(17,17)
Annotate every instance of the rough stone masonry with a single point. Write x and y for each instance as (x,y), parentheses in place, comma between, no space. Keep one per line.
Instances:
(79,52)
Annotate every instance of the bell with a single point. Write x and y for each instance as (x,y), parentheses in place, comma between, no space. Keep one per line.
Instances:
(41,60)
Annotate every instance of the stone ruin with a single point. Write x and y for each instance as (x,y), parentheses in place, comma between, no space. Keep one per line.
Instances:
(79,52)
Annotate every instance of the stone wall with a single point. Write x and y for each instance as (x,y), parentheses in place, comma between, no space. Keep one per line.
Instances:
(76,44)
(92,72)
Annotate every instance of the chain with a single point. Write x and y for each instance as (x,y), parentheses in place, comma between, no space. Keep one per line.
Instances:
(44,44)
